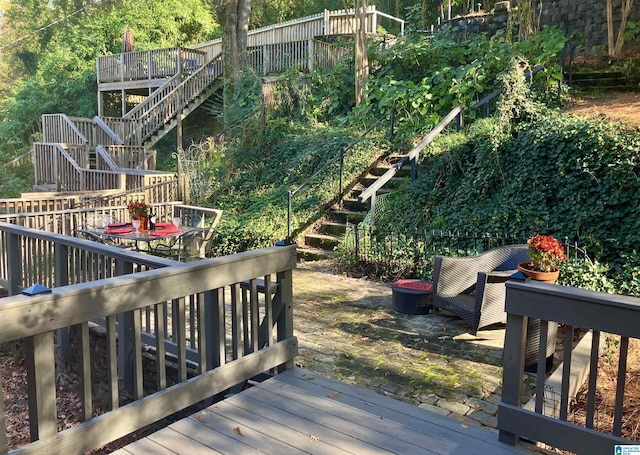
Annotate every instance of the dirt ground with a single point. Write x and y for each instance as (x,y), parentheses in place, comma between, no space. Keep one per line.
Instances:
(623,107)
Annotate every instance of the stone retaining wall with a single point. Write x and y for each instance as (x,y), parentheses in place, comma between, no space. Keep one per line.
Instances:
(587,18)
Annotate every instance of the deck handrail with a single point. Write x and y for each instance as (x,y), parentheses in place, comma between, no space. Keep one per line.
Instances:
(154,64)
(60,128)
(66,173)
(103,156)
(166,103)
(108,132)
(226,356)
(410,158)
(548,421)
(324,27)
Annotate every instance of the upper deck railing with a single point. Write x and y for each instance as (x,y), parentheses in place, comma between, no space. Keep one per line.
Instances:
(339,22)
(152,64)
(166,63)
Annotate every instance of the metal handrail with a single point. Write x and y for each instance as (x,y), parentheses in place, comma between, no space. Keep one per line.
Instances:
(484,102)
(291,194)
(412,157)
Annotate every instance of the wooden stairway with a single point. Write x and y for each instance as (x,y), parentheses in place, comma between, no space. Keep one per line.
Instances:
(321,240)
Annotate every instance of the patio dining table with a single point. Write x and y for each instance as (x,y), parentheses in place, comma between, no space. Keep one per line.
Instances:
(126,232)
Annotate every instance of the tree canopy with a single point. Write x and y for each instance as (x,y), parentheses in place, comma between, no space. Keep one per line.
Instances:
(48,53)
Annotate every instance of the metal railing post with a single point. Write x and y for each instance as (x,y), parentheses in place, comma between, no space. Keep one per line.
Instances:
(393,120)
(289,197)
(341,194)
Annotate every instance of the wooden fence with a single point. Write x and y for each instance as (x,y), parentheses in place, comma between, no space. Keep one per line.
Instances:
(548,421)
(235,332)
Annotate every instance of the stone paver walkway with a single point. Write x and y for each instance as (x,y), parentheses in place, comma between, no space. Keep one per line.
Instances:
(348,330)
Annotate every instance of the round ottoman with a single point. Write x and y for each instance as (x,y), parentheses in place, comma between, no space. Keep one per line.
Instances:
(412,296)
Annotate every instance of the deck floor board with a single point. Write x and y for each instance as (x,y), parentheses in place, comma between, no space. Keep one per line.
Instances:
(299,412)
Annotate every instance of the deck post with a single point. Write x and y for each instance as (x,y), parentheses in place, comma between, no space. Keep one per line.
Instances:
(14,261)
(61,264)
(284,298)
(513,366)
(41,374)
(125,337)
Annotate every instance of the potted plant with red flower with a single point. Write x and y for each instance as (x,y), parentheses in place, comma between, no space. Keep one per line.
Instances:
(546,254)
(139,211)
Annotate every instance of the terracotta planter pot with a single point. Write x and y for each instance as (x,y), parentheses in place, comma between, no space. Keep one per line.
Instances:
(545,277)
(144,222)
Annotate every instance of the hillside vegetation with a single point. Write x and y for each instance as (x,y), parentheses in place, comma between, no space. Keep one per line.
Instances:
(530,169)
(310,119)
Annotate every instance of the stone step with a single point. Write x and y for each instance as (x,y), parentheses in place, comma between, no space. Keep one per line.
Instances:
(333,228)
(344,216)
(321,241)
(313,254)
(382,168)
(370,179)
(354,205)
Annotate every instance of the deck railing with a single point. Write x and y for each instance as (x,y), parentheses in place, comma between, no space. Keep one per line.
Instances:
(236,334)
(20,160)
(340,22)
(126,157)
(168,101)
(58,128)
(157,186)
(126,130)
(36,202)
(548,421)
(152,64)
(55,166)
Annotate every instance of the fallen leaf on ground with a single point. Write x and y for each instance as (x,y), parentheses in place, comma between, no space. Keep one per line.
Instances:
(464,426)
(307,378)
(237,431)
(333,394)
(201,417)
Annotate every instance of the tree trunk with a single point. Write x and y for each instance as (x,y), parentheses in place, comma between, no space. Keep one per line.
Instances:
(234,17)
(362,61)
(626,6)
(612,51)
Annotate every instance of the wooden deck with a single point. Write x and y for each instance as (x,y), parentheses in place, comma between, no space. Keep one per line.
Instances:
(301,412)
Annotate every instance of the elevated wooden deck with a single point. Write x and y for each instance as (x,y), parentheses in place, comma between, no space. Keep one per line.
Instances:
(301,412)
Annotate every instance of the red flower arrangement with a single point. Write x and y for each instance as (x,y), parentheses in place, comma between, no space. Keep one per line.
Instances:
(546,253)
(138,209)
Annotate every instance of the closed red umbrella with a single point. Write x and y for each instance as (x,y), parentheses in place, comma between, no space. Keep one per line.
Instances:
(127,42)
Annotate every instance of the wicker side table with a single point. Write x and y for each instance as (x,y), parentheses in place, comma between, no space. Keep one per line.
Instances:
(412,296)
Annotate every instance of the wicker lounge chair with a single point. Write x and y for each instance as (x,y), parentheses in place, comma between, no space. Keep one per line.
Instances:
(472,288)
